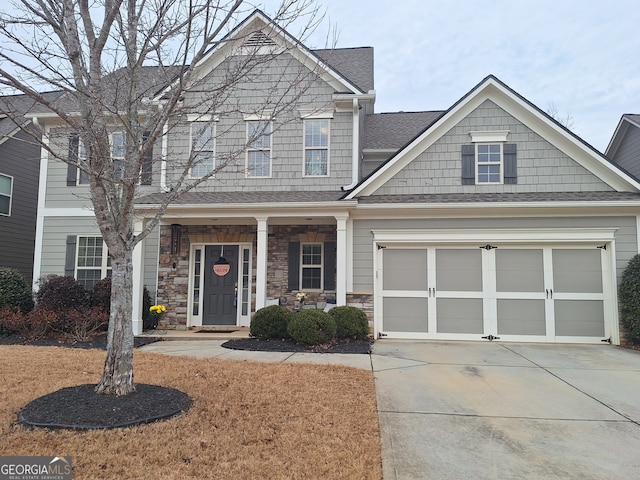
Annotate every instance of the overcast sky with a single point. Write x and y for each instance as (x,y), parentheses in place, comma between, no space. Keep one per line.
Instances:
(582,56)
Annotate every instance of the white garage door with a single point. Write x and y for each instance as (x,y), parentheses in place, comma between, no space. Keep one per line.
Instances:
(517,293)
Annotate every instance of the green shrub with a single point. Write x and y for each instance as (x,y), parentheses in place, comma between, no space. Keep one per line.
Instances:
(629,298)
(56,293)
(351,322)
(101,295)
(15,292)
(270,322)
(312,327)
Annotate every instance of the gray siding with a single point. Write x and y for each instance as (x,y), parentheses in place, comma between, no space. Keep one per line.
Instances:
(287,139)
(625,236)
(151,246)
(628,153)
(20,160)
(541,166)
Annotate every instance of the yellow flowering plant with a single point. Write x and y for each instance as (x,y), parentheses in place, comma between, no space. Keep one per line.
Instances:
(301,297)
(157,310)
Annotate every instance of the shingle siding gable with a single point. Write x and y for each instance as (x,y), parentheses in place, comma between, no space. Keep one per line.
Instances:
(628,153)
(541,167)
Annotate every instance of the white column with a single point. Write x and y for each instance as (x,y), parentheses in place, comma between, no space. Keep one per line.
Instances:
(341,260)
(261,263)
(138,280)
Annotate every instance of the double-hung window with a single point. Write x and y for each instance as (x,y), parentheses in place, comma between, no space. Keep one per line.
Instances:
(489,163)
(311,266)
(92,261)
(258,148)
(316,147)
(202,148)
(6,191)
(118,152)
(83,178)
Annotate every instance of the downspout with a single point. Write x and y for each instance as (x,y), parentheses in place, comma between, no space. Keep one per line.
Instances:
(355,160)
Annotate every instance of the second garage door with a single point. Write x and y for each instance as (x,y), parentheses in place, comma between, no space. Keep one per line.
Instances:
(519,293)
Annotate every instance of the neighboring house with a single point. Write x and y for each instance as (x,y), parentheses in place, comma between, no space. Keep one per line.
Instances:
(624,147)
(19,172)
(489,219)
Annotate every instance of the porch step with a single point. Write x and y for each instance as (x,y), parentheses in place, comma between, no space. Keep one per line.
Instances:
(199,333)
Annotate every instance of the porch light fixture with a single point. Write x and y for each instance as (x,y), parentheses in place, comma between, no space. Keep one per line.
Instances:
(175,238)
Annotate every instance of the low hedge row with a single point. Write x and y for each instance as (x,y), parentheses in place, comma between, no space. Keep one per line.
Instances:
(311,327)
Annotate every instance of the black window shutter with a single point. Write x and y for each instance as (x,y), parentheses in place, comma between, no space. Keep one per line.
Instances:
(294,265)
(72,170)
(147,164)
(509,154)
(468,164)
(70,257)
(330,265)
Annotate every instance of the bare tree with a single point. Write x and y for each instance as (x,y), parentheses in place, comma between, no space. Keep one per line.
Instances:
(564,120)
(132,64)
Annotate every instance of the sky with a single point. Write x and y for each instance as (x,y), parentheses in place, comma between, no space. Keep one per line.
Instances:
(578,57)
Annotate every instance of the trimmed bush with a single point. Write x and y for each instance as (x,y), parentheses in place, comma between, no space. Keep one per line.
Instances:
(101,295)
(271,323)
(86,323)
(15,292)
(32,326)
(629,298)
(56,293)
(351,322)
(312,327)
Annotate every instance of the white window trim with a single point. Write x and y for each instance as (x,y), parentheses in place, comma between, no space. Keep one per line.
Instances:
(478,163)
(305,148)
(104,268)
(496,136)
(309,114)
(113,158)
(320,267)
(253,149)
(203,119)
(10,195)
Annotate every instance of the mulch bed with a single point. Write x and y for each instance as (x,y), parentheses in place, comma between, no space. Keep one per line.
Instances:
(80,407)
(99,341)
(338,346)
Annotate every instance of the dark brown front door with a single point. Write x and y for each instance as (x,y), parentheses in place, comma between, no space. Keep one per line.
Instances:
(220,285)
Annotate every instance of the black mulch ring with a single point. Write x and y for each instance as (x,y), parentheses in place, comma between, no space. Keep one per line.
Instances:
(99,341)
(81,407)
(338,346)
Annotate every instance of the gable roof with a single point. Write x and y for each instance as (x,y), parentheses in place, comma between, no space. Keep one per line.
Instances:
(391,131)
(272,35)
(491,88)
(627,120)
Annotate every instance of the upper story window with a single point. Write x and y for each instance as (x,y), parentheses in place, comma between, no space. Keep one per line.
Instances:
(92,261)
(489,160)
(258,148)
(489,163)
(118,153)
(202,148)
(83,178)
(311,266)
(316,147)
(6,191)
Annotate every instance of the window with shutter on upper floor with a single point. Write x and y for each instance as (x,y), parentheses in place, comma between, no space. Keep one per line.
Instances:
(6,191)
(489,160)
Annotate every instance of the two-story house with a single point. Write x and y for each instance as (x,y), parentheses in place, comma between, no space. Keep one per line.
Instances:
(486,220)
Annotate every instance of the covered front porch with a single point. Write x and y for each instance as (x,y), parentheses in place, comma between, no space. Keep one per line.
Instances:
(217,265)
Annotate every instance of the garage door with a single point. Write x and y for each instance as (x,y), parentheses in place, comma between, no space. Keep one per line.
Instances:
(517,293)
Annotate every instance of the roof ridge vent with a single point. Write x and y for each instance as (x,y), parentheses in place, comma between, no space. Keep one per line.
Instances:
(258,39)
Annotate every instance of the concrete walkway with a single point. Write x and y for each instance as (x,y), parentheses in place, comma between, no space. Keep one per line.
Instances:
(462,410)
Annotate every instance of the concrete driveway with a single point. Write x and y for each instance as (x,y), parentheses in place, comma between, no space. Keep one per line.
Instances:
(464,410)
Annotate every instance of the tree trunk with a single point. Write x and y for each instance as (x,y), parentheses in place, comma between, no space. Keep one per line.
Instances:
(117,375)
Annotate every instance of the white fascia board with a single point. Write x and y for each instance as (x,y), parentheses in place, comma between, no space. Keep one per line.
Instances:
(496,209)
(68,212)
(519,236)
(618,134)
(293,209)
(492,90)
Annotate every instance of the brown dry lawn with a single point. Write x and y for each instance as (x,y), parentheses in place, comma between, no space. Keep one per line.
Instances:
(247,420)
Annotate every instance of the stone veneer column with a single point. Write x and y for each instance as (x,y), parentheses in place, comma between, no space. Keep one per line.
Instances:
(261,262)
